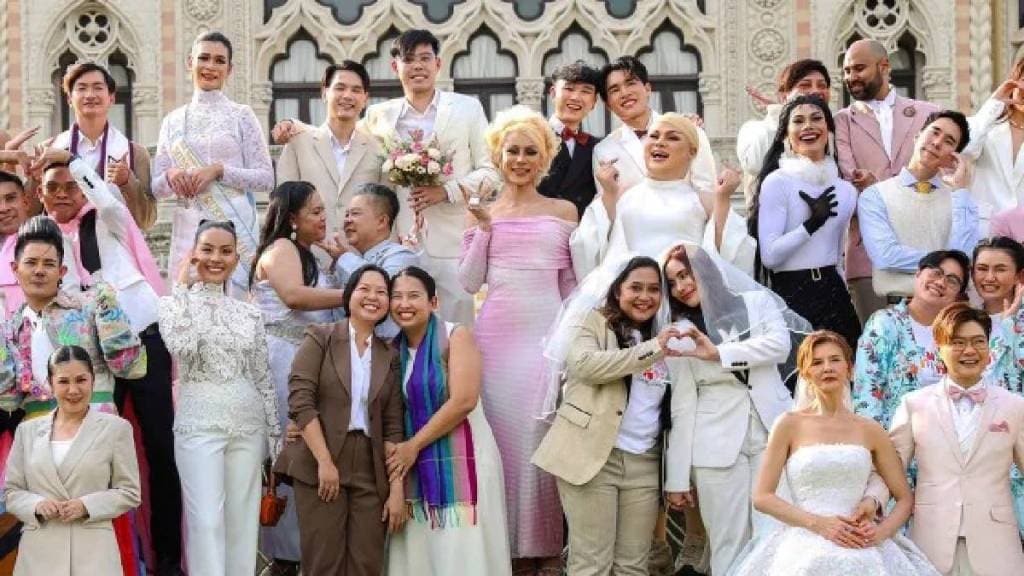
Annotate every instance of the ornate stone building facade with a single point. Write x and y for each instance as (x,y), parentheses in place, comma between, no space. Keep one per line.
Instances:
(702,53)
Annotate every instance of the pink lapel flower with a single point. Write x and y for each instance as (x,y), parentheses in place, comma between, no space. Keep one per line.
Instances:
(1000,426)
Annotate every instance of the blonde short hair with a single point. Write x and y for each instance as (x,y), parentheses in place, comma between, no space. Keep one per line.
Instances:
(681,124)
(522,119)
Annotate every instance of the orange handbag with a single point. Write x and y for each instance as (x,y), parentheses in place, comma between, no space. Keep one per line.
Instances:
(271,505)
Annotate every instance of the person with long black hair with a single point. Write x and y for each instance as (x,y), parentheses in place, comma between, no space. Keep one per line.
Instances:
(292,292)
(800,213)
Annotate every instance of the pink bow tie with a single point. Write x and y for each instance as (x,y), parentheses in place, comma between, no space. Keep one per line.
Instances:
(977,395)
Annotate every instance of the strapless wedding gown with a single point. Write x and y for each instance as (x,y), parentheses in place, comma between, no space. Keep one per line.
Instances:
(828,479)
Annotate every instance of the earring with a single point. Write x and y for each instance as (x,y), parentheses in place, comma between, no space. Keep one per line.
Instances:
(293,234)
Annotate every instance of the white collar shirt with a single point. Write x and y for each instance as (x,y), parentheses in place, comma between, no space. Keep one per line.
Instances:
(359,418)
(883,110)
(410,119)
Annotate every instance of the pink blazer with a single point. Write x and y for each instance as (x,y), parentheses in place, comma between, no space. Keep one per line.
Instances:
(859,145)
(1009,223)
(950,489)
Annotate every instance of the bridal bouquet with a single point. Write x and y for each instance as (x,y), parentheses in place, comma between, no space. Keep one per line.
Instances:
(415,162)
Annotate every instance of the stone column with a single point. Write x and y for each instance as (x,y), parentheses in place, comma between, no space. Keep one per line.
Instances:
(530,92)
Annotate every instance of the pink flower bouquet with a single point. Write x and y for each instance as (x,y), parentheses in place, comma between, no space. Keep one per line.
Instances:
(415,162)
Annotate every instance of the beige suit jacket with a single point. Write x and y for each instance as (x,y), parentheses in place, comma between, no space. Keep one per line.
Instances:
(587,421)
(308,156)
(100,469)
(952,490)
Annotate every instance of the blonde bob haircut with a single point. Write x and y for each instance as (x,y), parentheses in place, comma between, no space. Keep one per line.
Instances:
(522,119)
(681,124)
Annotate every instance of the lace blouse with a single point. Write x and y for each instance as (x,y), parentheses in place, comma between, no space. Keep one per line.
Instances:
(221,348)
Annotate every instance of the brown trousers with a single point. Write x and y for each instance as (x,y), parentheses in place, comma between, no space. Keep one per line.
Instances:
(344,537)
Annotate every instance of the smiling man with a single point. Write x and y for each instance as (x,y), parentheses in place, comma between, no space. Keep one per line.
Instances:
(336,157)
(571,176)
(14,211)
(920,209)
(89,89)
(458,123)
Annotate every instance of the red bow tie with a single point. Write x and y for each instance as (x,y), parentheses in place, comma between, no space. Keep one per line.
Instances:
(977,395)
(580,137)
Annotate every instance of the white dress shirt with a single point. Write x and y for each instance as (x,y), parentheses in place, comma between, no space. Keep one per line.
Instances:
(557,125)
(883,113)
(410,119)
(966,414)
(359,420)
(340,151)
(60,449)
(41,348)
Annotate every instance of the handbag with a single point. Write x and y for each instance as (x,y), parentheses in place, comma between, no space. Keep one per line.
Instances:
(271,505)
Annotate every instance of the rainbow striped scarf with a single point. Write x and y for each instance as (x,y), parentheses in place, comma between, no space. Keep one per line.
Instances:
(444,490)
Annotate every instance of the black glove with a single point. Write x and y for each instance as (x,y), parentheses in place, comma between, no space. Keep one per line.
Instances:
(822,208)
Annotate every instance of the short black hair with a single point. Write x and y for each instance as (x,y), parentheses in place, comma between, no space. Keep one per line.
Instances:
(11,178)
(429,284)
(384,198)
(937,257)
(53,165)
(792,75)
(65,354)
(353,281)
(204,225)
(1006,244)
(39,230)
(215,36)
(407,41)
(346,66)
(76,71)
(577,72)
(957,118)
(630,65)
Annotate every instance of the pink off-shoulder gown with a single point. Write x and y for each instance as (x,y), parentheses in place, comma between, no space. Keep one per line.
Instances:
(526,265)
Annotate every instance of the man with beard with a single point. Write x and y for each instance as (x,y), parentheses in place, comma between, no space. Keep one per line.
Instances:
(874,140)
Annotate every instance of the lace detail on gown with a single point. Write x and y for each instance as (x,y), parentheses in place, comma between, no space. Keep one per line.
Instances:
(828,479)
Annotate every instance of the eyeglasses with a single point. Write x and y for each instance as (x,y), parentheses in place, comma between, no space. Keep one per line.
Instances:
(54,188)
(952,280)
(979,344)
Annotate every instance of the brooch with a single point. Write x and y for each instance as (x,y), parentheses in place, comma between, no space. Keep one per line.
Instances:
(909,111)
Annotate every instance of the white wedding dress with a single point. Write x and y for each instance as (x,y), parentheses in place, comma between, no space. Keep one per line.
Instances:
(828,479)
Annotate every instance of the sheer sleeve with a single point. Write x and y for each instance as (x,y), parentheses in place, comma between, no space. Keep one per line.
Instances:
(257,174)
(473,263)
(177,326)
(259,374)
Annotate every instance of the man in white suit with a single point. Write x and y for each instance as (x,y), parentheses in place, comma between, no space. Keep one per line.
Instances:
(626,90)
(963,432)
(336,157)
(458,123)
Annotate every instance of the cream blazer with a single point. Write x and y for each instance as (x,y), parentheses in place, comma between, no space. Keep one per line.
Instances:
(951,489)
(459,125)
(587,421)
(100,469)
(309,156)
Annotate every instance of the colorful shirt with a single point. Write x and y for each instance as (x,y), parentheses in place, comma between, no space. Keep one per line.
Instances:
(93,320)
(889,364)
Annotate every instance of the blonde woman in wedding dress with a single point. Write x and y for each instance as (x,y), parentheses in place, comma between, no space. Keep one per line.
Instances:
(827,454)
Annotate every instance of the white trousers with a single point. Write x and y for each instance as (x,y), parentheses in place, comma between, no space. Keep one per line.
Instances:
(220,484)
(723,495)
(961,563)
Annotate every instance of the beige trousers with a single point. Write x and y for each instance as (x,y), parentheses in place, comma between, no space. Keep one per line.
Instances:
(961,563)
(865,301)
(611,518)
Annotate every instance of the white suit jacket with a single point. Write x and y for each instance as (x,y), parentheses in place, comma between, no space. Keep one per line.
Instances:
(459,125)
(711,408)
(100,469)
(309,156)
(622,143)
(998,182)
(952,490)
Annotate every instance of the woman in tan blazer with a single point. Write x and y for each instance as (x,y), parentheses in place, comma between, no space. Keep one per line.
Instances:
(69,475)
(343,498)
(604,446)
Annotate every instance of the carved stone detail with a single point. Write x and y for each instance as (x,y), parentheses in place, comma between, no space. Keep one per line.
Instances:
(768,45)
(530,91)
(202,10)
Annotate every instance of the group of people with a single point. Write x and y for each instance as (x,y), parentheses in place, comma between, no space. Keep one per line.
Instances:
(798,382)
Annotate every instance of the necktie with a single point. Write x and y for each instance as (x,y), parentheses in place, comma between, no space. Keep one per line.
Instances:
(640,133)
(580,137)
(923,187)
(977,395)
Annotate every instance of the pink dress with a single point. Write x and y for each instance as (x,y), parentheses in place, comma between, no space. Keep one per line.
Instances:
(526,265)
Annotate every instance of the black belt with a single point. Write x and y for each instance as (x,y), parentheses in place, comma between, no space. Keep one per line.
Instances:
(815,274)
(151,330)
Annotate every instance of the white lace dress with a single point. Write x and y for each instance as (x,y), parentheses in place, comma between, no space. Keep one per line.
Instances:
(828,479)
(220,345)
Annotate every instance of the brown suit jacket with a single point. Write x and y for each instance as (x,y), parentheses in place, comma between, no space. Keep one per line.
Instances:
(320,386)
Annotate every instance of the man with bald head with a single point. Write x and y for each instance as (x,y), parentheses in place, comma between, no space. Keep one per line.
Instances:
(874,140)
